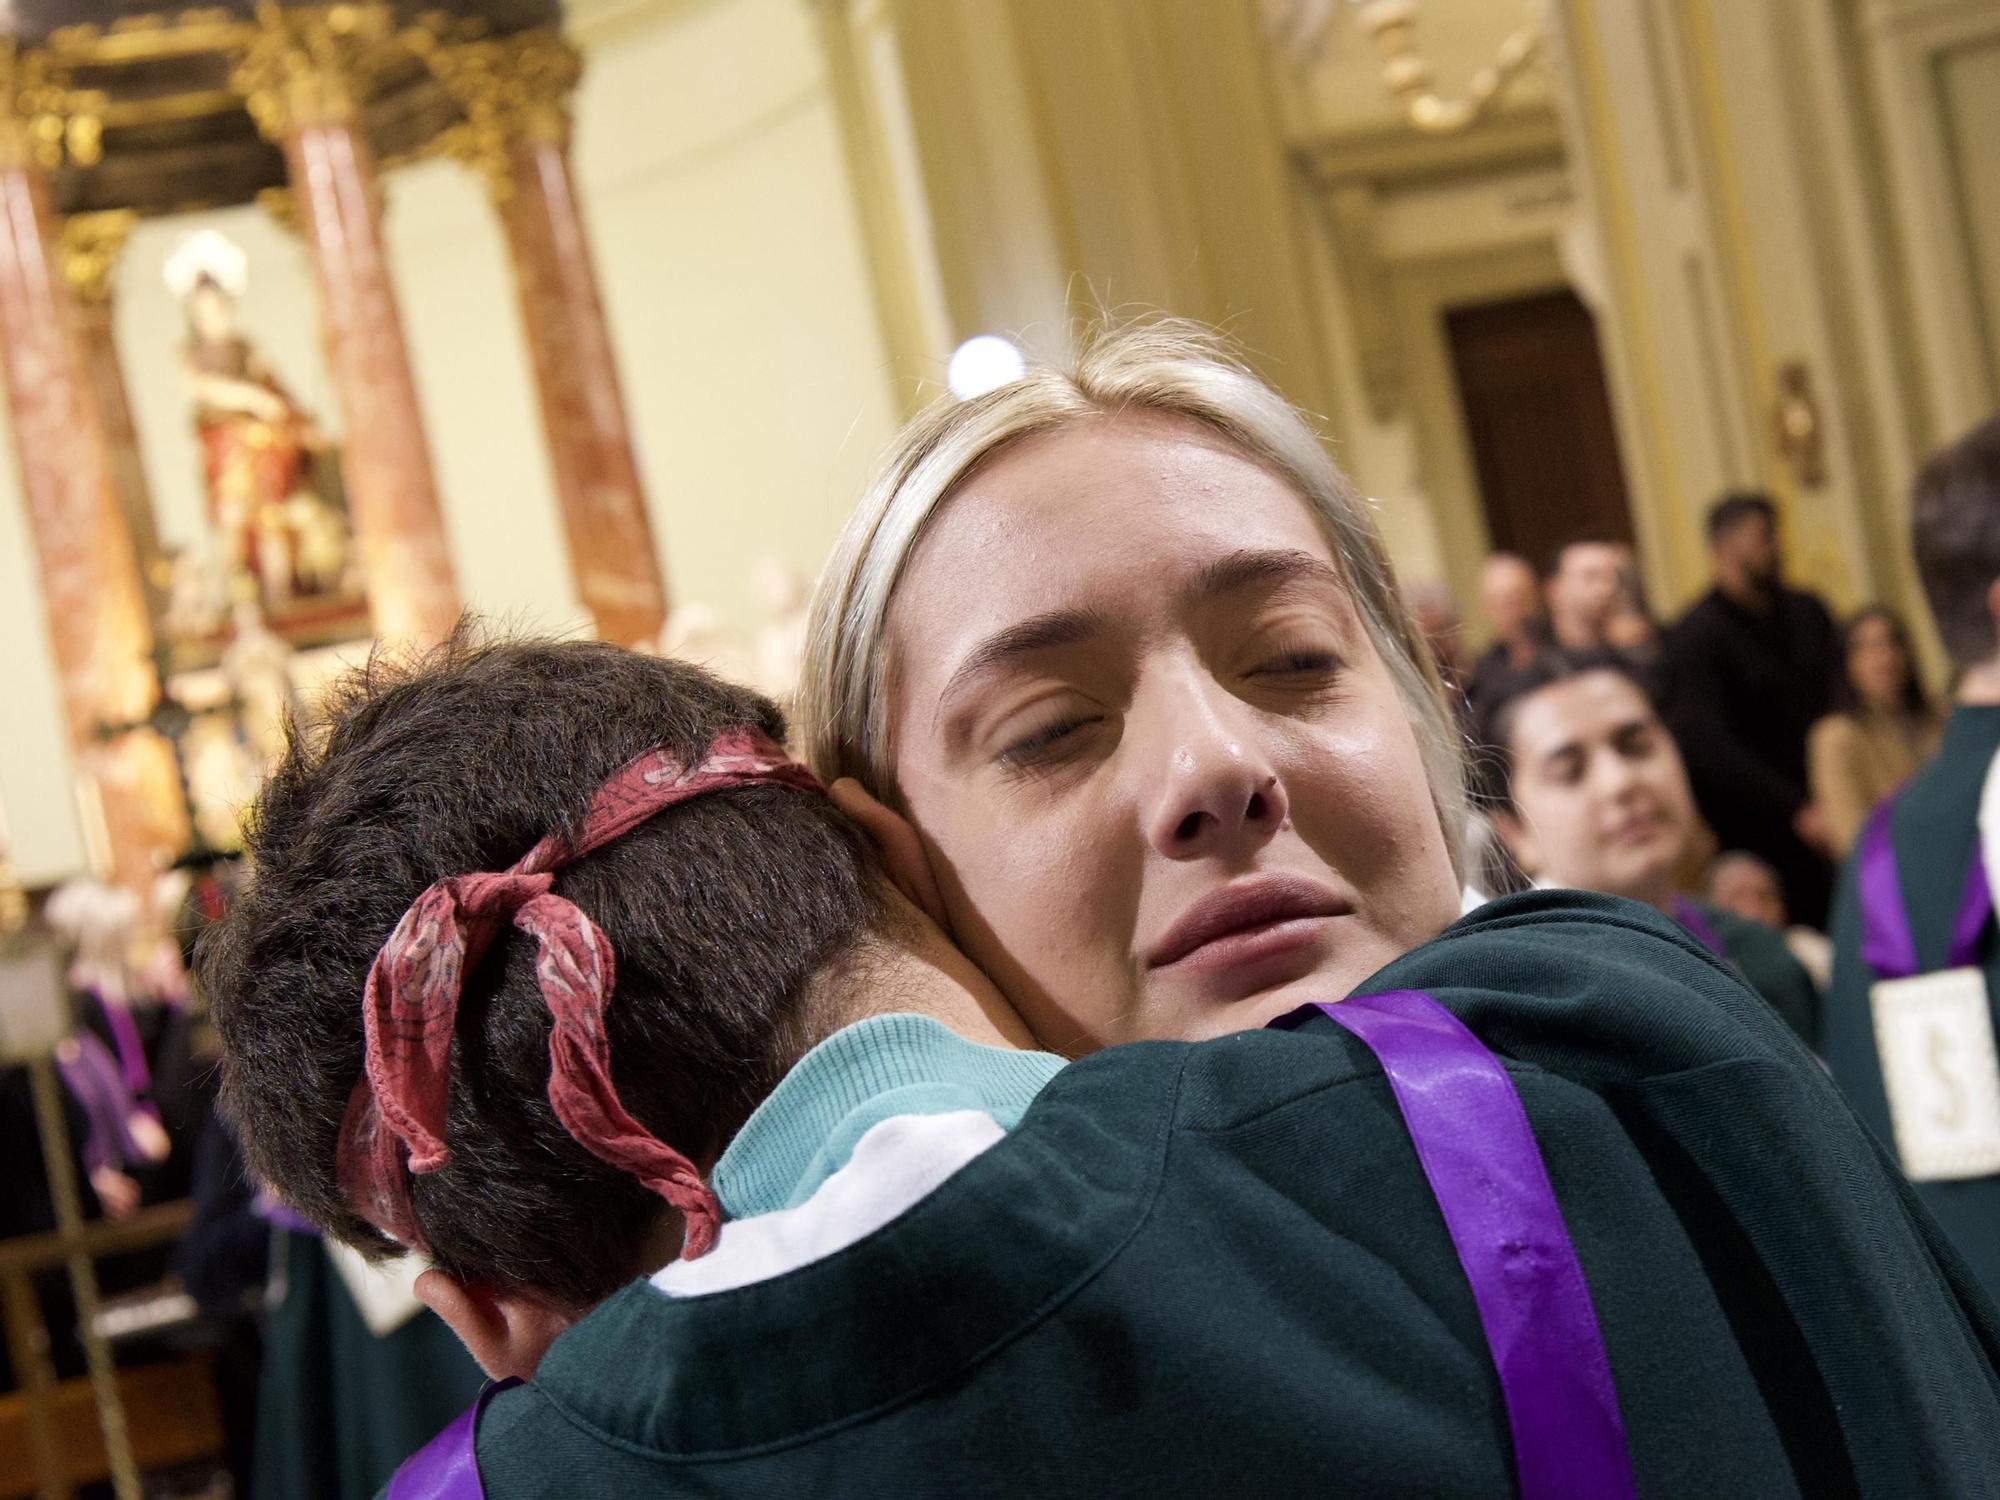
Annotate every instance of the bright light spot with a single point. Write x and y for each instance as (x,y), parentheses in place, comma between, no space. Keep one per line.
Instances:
(981,364)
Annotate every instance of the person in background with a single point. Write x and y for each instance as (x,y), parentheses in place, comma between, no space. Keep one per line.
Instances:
(1909,902)
(1590,793)
(1510,597)
(1749,670)
(1630,627)
(1882,727)
(1585,591)
(1742,883)
(1436,614)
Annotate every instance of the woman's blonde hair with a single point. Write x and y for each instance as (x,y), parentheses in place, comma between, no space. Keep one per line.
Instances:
(1165,367)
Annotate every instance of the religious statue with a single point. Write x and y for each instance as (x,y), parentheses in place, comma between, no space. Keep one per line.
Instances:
(262,454)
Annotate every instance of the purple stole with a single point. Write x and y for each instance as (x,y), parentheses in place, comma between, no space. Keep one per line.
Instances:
(447,1467)
(1887,944)
(1479,1154)
(1689,916)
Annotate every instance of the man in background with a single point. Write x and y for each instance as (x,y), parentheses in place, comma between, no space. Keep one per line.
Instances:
(1909,1023)
(1585,591)
(1510,596)
(1749,669)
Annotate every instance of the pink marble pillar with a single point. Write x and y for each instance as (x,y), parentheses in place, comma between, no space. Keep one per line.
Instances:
(99,349)
(385,459)
(611,551)
(99,629)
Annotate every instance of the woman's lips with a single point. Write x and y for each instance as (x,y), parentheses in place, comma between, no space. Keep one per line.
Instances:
(1245,922)
(1640,830)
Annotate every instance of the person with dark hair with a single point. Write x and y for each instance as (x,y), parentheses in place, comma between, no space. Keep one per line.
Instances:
(1911,1016)
(1585,591)
(557,969)
(1881,729)
(1749,670)
(1590,793)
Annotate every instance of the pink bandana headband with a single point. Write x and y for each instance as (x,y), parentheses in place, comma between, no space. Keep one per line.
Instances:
(395,1118)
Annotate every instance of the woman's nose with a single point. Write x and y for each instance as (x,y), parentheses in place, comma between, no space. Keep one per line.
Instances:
(1219,796)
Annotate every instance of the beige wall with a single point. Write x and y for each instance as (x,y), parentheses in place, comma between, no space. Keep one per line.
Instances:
(733,273)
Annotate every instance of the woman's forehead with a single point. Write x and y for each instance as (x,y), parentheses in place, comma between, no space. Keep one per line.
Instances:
(1105,511)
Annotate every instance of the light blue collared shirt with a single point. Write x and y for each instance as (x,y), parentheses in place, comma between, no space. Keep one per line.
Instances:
(863,1074)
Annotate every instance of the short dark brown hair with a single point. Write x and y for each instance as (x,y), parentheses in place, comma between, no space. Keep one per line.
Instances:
(1955,532)
(1737,507)
(721,911)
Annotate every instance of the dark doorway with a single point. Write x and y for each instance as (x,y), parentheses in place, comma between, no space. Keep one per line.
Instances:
(1531,384)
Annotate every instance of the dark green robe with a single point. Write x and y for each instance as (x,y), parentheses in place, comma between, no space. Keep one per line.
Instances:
(1217,1269)
(338,1408)
(1768,967)
(1934,828)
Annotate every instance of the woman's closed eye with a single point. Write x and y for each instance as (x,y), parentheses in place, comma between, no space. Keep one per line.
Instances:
(1048,742)
(1298,661)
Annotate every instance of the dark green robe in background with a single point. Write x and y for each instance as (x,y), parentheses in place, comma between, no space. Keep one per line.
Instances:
(1934,829)
(1769,967)
(1217,1269)
(338,1408)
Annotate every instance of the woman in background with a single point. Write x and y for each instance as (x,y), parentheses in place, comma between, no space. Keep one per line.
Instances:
(1882,729)
(1591,793)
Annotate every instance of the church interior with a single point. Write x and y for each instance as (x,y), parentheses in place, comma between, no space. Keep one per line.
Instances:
(321,324)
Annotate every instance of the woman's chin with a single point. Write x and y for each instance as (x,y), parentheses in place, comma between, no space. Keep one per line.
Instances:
(1253,996)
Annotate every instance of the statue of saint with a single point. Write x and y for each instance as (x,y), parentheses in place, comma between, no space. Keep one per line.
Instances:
(260,449)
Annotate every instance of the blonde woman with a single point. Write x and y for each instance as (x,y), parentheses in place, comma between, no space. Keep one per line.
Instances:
(1111,663)
(1124,630)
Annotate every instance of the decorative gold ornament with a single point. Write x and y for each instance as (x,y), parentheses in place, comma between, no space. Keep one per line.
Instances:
(1796,428)
(89,251)
(313,65)
(514,89)
(1393,25)
(1300,28)
(31,118)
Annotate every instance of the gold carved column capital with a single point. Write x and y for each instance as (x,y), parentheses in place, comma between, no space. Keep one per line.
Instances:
(303,66)
(514,90)
(32,117)
(89,249)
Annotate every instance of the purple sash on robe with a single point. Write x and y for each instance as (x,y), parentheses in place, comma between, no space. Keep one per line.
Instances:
(1479,1154)
(447,1467)
(1887,944)
(91,1075)
(1689,916)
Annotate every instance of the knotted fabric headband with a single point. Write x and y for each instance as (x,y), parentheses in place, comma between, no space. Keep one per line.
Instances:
(395,1117)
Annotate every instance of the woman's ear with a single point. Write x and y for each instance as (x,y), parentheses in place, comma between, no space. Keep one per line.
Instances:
(903,855)
(506,1334)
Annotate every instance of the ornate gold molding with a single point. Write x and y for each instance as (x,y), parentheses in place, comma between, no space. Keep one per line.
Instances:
(1405,73)
(313,65)
(89,249)
(514,90)
(33,113)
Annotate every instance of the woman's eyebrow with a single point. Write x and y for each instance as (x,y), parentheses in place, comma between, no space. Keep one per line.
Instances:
(1266,568)
(1043,632)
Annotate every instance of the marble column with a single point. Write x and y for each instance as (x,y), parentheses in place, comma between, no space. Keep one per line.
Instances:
(89,249)
(299,80)
(515,92)
(99,629)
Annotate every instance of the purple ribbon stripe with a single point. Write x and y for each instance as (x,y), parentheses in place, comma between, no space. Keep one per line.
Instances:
(1479,1154)
(447,1467)
(1887,944)
(1689,916)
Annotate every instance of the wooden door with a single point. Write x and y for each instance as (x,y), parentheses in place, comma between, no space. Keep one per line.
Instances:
(1531,385)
